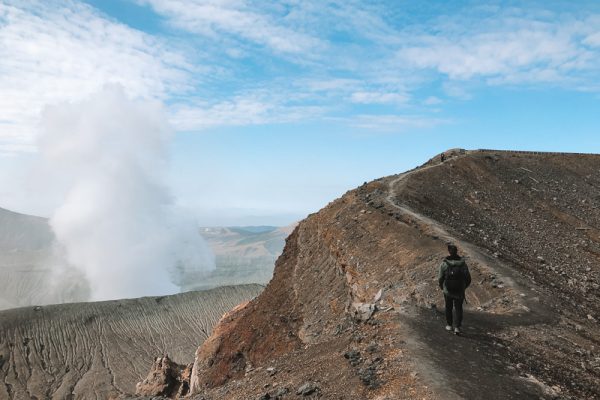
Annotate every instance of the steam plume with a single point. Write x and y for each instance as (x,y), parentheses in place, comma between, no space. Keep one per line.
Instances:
(118,223)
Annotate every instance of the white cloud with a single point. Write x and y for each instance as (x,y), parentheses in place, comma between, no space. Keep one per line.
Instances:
(593,40)
(62,51)
(326,85)
(510,51)
(235,17)
(392,123)
(241,110)
(432,101)
(366,97)
(305,58)
(235,112)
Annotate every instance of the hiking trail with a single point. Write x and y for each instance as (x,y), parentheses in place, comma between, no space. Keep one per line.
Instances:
(460,366)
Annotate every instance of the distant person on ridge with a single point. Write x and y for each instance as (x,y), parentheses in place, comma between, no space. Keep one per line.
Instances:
(454,278)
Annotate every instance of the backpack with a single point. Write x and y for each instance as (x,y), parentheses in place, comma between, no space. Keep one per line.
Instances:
(455,278)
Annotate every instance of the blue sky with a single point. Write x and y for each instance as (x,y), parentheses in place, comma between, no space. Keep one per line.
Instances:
(280,107)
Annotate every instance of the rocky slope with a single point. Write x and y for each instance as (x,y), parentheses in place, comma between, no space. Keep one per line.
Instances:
(353,310)
(101,350)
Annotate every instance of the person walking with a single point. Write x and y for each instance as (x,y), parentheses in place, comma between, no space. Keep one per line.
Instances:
(453,279)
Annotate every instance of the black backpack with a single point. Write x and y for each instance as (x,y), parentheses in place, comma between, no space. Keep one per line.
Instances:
(455,278)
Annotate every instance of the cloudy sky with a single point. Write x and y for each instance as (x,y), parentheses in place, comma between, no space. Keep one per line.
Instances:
(280,107)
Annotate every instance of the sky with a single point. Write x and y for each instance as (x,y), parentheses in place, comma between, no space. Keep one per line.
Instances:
(279,107)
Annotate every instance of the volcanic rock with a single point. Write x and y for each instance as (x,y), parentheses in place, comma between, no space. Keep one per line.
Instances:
(307,389)
(320,303)
(166,378)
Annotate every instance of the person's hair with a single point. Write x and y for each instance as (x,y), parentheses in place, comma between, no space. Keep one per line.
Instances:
(452,247)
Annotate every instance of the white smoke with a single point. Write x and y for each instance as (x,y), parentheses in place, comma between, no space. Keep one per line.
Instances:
(118,223)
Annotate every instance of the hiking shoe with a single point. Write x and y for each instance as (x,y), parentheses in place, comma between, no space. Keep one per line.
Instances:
(448,328)
(457,330)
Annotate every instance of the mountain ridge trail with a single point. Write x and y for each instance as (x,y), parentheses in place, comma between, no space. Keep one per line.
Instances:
(451,371)
(462,375)
(354,305)
(354,310)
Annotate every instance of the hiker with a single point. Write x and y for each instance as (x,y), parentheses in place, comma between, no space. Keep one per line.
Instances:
(454,278)
(443,157)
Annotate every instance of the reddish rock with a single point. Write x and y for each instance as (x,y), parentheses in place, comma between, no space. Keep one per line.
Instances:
(527,333)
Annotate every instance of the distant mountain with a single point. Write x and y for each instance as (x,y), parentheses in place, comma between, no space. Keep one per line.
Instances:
(243,255)
(28,257)
(21,232)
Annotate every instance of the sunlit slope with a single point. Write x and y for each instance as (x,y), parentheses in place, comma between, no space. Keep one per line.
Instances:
(354,305)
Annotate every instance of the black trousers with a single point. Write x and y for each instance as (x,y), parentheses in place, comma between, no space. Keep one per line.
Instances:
(458,307)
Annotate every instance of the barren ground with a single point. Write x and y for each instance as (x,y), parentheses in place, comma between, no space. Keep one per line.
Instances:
(529,227)
(354,312)
(101,350)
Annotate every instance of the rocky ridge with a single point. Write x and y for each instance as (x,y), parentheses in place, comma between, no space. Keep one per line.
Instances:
(353,309)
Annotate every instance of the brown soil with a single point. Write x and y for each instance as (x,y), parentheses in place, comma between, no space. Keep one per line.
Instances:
(528,225)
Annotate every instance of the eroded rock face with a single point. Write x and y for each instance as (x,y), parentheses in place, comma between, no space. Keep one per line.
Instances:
(239,340)
(166,379)
(359,277)
(212,350)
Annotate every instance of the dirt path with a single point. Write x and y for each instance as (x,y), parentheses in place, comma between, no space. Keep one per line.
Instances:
(526,299)
(473,365)
(470,366)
